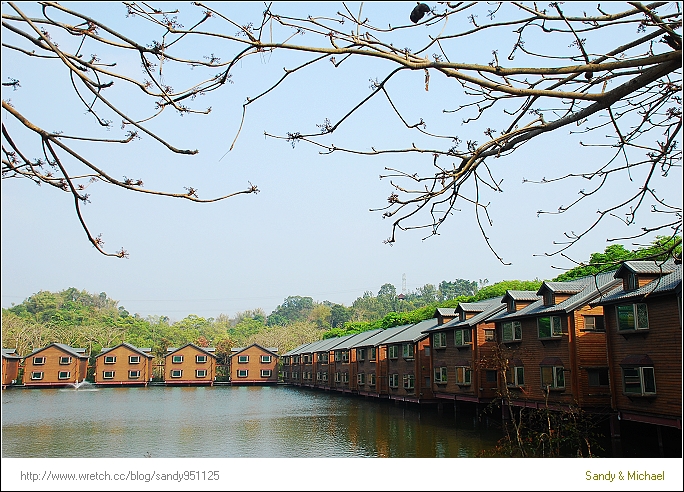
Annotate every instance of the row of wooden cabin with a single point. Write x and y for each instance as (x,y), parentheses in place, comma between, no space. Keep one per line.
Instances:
(126,365)
(609,344)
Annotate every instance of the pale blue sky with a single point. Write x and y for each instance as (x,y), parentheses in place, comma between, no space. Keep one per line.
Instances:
(309,232)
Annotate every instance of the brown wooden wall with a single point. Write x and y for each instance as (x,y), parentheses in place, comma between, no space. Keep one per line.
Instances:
(122,366)
(78,368)
(189,366)
(591,352)
(254,367)
(531,351)
(662,342)
(10,370)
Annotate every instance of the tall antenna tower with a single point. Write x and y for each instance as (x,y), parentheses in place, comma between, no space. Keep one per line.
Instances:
(403,284)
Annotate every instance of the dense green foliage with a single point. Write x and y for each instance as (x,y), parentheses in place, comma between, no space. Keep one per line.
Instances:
(662,248)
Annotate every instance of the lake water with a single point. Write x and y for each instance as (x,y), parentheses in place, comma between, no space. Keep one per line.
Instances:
(227,422)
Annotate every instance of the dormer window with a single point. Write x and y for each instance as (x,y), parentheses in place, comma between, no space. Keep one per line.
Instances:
(632,281)
(548,298)
(510,306)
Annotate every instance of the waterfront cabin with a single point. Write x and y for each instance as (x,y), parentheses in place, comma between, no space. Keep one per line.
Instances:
(344,364)
(643,323)
(10,366)
(323,361)
(123,365)
(190,365)
(552,351)
(291,361)
(371,361)
(461,349)
(56,365)
(408,363)
(253,365)
(307,363)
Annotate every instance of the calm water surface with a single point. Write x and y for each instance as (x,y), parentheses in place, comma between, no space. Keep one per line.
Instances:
(226,422)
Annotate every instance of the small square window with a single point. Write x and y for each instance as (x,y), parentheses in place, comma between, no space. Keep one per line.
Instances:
(177,359)
(134,359)
(108,375)
(201,359)
(201,373)
(36,375)
(243,359)
(38,361)
(266,373)
(598,376)
(133,374)
(176,373)
(64,375)
(65,360)
(489,335)
(109,359)
(266,359)
(242,373)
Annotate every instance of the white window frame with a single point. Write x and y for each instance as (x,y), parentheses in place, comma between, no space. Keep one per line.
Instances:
(177,373)
(393,352)
(463,342)
(64,375)
(489,335)
(337,377)
(243,359)
(408,351)
(325,377)
(41,359)
(371,379)
(266,359)
(441,375)
(635,314)
(108,374)
(200,373)
(64,361)
(516,331)
(134,359)
(439,340)
(200,359)
(36,375)
(464,375)
(373,354)
(110,359)
(133,374)
(640,374)
(345,377)
(345,356)
(361,354)
(176,359)
(266,373)
(409,381)
(557,377)
(361,379)
(393,380)
(517,379)
(555,325)
(243,373)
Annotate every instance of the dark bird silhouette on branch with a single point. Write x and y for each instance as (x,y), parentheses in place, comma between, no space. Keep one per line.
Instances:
(419,11)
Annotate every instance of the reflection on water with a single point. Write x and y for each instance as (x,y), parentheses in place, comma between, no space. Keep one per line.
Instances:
(225,422)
